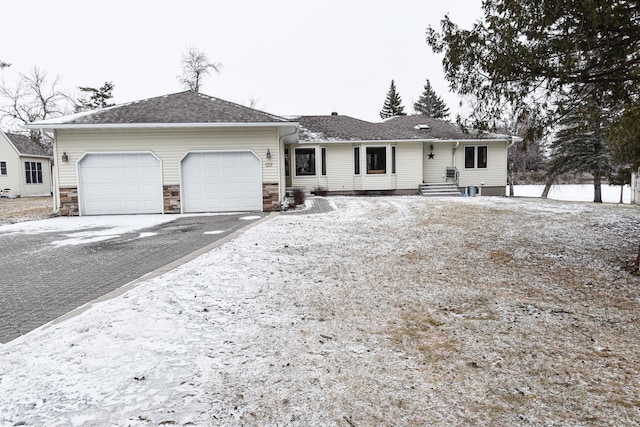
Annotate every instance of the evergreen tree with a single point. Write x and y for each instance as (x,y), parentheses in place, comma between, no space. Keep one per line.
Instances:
(392,104)
(98,97)
(581,146)
(4,64)
(430,104)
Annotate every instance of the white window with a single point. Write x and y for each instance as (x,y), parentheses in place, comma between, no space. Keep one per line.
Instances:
(33,172)
(3,168)
(356,160)
(305,161)
(475,157)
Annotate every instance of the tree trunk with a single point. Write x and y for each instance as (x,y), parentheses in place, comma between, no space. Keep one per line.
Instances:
(597,185)
(621,193)
(547,186)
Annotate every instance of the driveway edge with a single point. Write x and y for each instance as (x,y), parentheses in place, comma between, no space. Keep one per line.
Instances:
(157,272)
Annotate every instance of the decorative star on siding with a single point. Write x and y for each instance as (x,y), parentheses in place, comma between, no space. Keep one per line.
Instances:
(431,156)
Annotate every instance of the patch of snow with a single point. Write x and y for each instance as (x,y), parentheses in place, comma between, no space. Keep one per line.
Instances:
(388,310)
(576,192)
(250,217)
(214,232)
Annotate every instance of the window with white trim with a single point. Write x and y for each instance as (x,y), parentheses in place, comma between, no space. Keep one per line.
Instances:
(393,159)
(475,157)
(305,161)
(33,172)
(3,168)
(376,160)
(356,160)
(323,161)
(287,167)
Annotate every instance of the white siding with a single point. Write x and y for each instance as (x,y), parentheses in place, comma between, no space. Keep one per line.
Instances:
(496,172)
(435,169)
(14,170)
(43,189)
(494,175)
(170,145)
(408,165)
(341,174)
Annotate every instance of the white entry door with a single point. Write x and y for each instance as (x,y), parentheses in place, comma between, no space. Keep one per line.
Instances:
(120,183)
(224,181)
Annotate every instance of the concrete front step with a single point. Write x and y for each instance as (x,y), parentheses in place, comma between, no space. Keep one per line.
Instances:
(439,189)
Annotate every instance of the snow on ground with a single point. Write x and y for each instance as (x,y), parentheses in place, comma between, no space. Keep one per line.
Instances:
(387,311)
(575,192)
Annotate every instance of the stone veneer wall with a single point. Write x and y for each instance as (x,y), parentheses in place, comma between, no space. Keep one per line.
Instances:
(270,197)
(171,197)
(69,201)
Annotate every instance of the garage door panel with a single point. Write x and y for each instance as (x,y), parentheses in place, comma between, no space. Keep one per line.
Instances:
(127,183)
(221,182)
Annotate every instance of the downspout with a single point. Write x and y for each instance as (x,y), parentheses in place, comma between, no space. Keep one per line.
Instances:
(55,188)
(453,161)
(283,193)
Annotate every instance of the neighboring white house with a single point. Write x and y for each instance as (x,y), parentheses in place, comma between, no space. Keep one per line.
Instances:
(189,152)
(25,166)
(184,152)
(345,155)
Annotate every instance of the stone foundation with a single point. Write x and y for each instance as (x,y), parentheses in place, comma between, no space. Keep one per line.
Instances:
(270,197)
(171,198)
(69,201)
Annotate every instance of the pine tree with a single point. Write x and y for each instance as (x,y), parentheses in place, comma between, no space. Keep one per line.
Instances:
(99,97)
(581,145)
(430,104)
(392,104)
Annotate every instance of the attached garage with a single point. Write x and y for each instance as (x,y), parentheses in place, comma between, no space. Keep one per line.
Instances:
(119,183)
(221,181)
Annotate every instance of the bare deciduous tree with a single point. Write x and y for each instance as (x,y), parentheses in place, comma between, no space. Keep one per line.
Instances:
(195,66)
(4,64)
(34,97)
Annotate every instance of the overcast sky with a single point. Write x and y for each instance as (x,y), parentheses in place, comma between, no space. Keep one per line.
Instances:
(293,56)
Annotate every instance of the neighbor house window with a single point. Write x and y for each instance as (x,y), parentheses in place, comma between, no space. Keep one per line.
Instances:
(305,161)
(34,172)
(323,160)
(475,157)
(3,168)
(287,168)
(393,159)
(376,160)
(356,160)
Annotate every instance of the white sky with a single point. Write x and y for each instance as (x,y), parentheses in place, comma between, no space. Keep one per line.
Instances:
(295,57)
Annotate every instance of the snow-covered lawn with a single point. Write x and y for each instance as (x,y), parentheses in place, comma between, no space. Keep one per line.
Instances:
(402,311)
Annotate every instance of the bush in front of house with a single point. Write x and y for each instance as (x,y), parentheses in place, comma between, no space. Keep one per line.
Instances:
(298,196)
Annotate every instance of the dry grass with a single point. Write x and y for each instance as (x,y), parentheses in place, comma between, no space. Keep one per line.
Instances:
(25,209)
(491,312)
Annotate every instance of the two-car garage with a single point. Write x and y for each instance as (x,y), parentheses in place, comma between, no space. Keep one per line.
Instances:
(132,183)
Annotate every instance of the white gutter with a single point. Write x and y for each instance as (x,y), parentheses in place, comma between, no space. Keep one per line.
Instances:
(395,141)
(53,126)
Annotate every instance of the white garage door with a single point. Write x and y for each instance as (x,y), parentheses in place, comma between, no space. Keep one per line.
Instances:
(221,182)
(123,183)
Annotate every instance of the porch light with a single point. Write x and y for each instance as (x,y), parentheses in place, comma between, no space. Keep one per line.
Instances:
(65,157)
(268,154)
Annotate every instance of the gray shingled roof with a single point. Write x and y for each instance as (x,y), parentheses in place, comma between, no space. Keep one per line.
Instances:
(178,108)
(27,146)
(345,128)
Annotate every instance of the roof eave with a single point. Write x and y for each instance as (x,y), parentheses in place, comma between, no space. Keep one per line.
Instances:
(62,126)
(395,141)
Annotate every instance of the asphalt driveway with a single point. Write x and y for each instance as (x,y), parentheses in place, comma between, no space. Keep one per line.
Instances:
(40,281)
